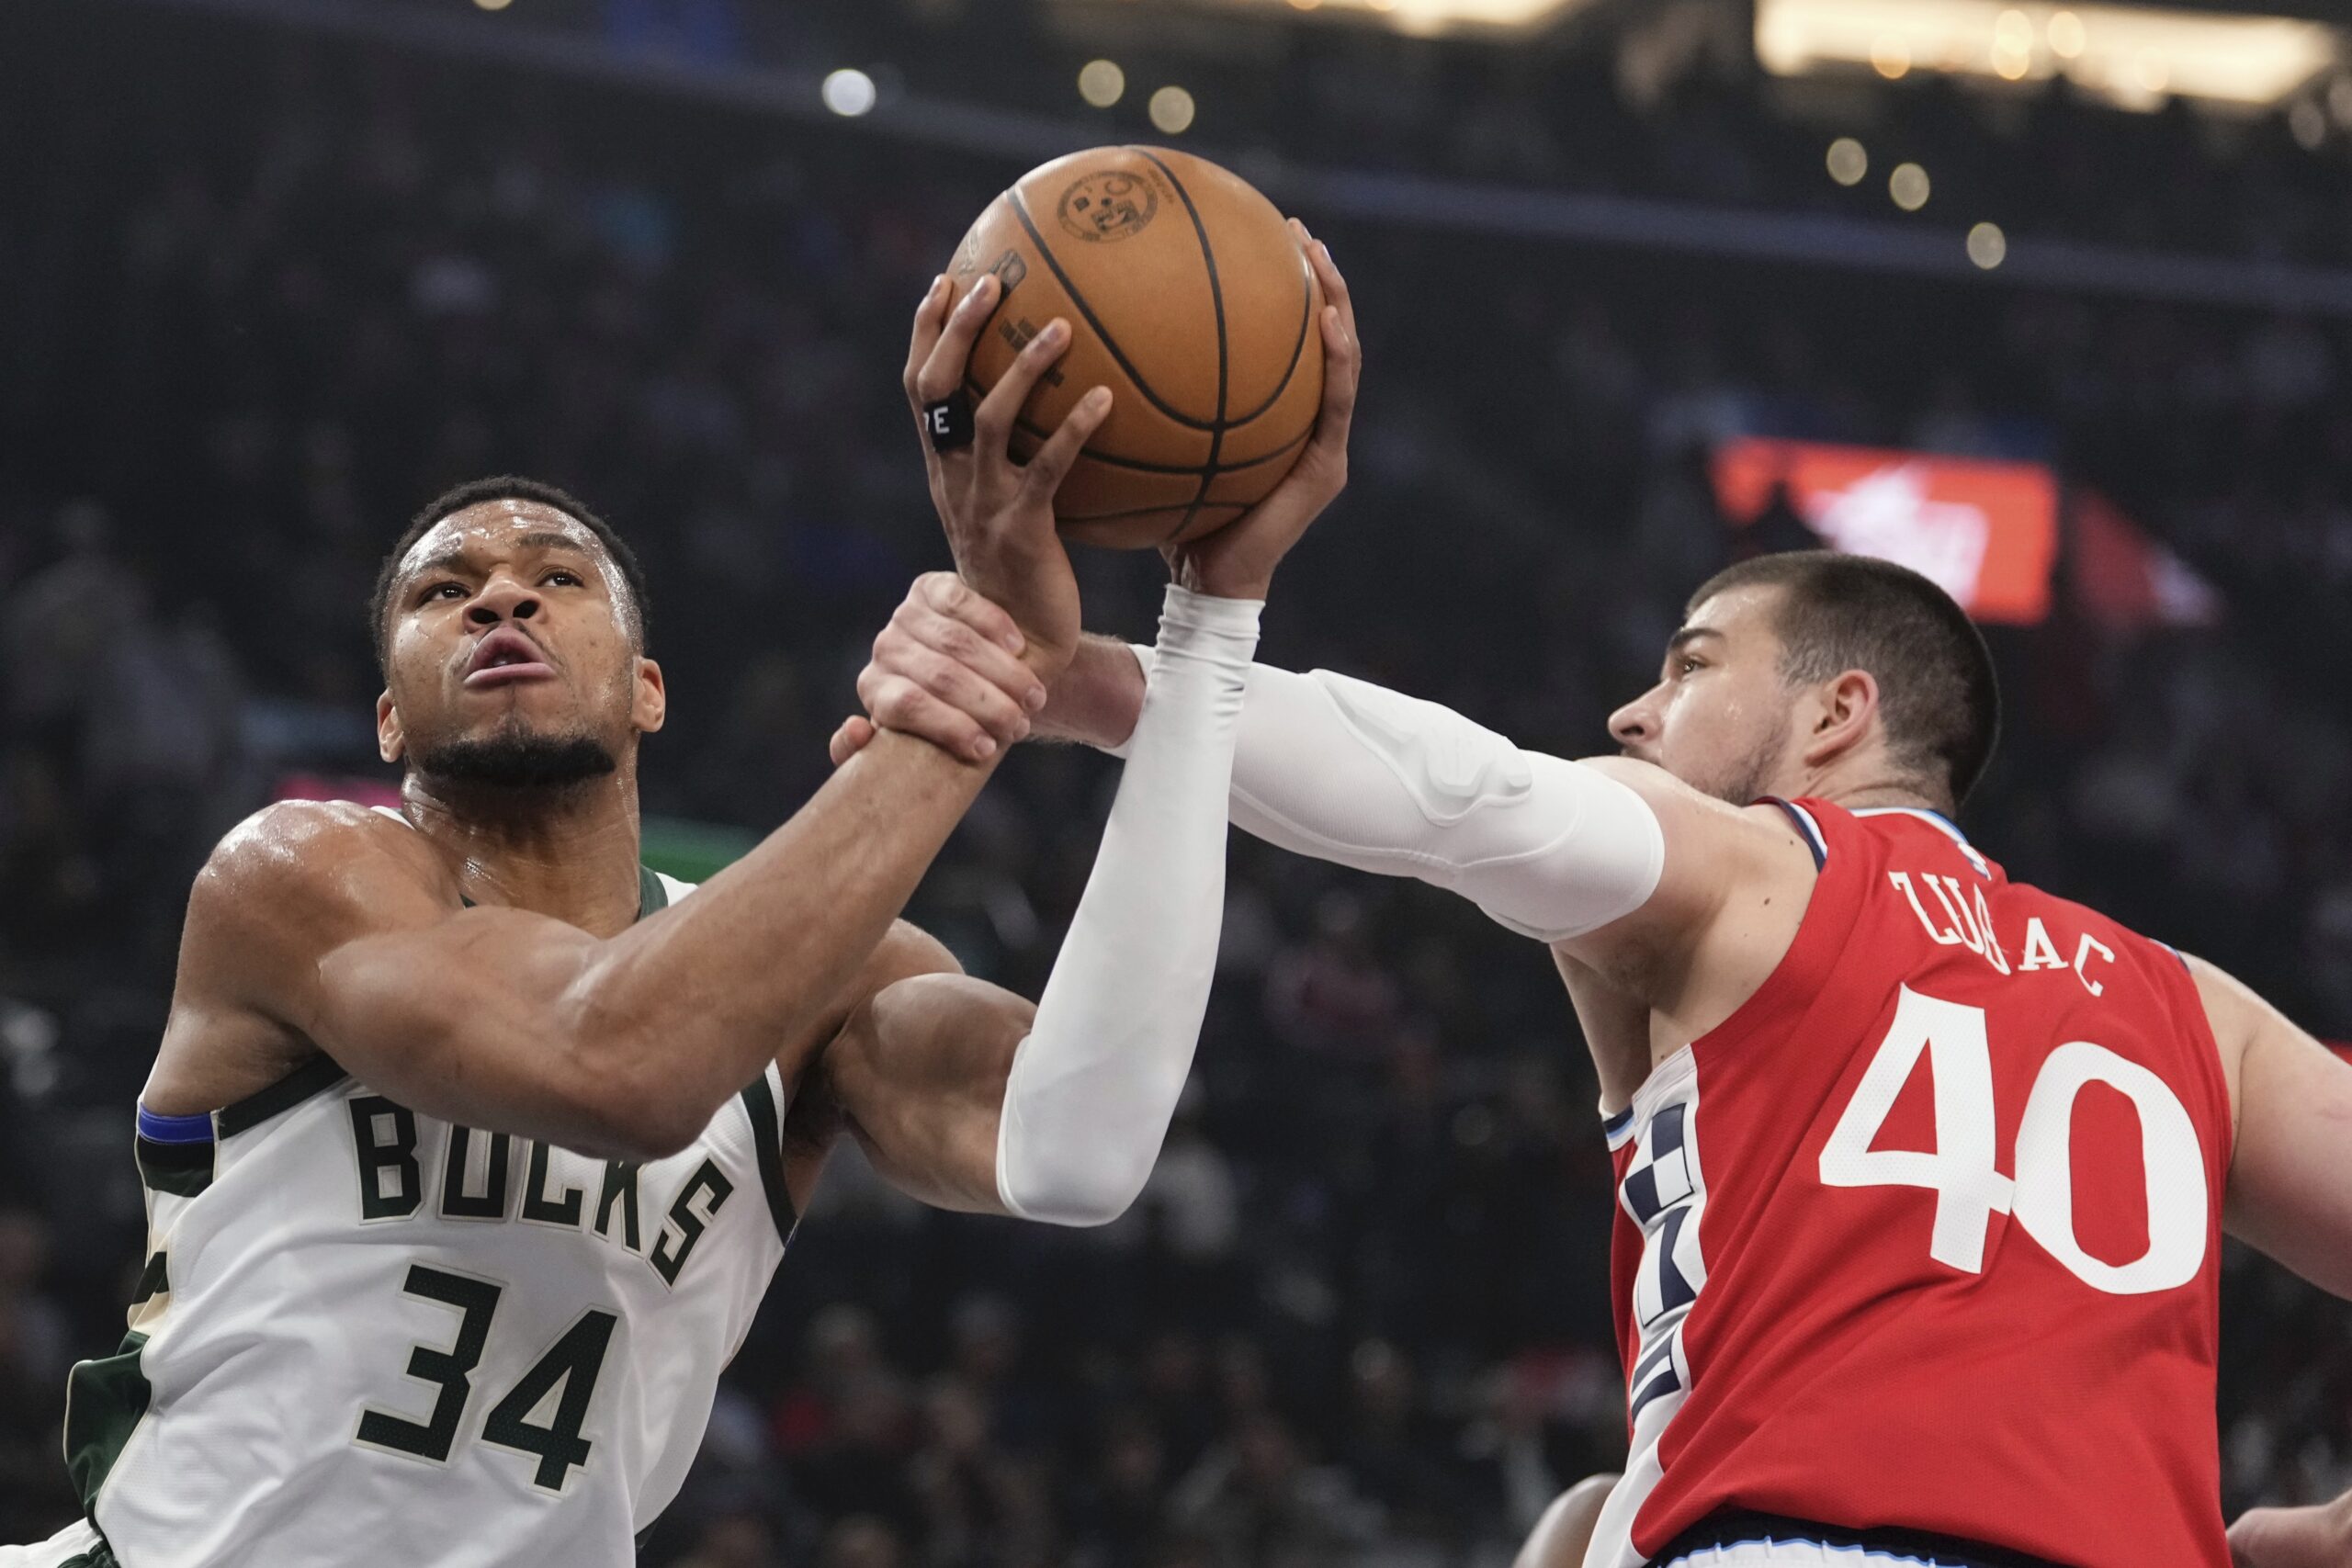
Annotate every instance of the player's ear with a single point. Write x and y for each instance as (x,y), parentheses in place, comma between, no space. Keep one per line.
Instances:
(392,741)
(650,705)
(1840,714)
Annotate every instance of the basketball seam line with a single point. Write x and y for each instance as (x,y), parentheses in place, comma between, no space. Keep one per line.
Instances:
(1147,512)
(1297,347)
(1029,427)
(1216,302)
(1110,344)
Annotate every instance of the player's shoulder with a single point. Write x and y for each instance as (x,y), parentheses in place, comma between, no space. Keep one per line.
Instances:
(1684,812)
(306,863)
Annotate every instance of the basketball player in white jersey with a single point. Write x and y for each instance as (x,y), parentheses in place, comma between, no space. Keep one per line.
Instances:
(1668,900)
(472,1145)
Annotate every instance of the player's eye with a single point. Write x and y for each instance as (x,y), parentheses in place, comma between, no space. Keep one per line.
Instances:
(569,579)
(441,589)
(1686,665)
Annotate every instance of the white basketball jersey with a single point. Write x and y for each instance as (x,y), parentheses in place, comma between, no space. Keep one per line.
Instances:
(367,1337)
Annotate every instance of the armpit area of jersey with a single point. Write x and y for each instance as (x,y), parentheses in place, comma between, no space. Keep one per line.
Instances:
(1730,1529)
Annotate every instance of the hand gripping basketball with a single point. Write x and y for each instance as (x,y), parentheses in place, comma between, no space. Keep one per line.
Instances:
(999,514)
(1237,561)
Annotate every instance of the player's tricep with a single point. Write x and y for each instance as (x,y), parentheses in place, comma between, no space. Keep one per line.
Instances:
(2290,1187)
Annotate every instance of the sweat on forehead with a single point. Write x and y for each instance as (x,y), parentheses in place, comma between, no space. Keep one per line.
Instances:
(502,513)
(499,525)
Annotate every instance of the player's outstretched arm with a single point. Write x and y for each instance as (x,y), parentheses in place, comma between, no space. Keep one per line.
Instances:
(968,1097)
(333,929)
(958,1094)
(1618,864)
(2290,1185)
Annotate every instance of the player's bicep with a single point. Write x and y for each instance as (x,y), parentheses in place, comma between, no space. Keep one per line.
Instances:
(2290,1187)
(319,923)
(919,1073)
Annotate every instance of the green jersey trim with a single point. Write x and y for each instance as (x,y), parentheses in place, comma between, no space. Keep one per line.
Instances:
(181,1169)
(314,1077)
(767,1142)
(156,1279)
(105,1401)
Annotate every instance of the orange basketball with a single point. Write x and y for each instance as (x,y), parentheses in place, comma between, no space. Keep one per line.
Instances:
(1186,295)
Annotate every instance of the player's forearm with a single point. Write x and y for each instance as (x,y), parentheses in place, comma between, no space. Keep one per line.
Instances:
(1093,1085)
(1098,699)
(1344,771)
(687,1008)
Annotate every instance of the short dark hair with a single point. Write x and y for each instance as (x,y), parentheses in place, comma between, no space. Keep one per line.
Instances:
(499,486)
(1935,675)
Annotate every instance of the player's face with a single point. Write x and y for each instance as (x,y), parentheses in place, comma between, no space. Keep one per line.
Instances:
(1720,717)
(510,635)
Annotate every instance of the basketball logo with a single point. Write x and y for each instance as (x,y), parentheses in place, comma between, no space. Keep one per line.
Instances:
(1110,204)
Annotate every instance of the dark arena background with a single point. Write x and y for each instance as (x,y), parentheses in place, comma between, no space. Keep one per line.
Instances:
(1642,284)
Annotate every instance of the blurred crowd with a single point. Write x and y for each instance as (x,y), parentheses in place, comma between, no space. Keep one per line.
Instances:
(267,296)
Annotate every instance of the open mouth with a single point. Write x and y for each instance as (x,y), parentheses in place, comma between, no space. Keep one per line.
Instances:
(504,657)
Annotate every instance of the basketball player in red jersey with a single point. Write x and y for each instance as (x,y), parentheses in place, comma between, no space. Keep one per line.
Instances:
(1923,1173)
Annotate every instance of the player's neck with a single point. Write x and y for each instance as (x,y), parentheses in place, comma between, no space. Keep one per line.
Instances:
(1861,787)
(568,854)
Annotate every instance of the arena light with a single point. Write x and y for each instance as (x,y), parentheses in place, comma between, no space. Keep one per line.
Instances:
(1101,84)
(1421,17)
(848,92)
(2132,56)
(1171,110)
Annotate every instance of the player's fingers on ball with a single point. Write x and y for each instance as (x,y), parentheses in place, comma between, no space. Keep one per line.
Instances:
(946,593)
(930,315)
(988,660)
(1046,470)
(1335,282)
(942,369)
(994,423)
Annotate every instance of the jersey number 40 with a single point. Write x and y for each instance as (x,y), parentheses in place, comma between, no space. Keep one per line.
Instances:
(1961,1169)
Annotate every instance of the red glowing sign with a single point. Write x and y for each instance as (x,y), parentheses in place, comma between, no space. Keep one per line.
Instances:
(1986,531)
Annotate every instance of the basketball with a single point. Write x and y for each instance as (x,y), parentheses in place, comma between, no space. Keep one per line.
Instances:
(1187,295)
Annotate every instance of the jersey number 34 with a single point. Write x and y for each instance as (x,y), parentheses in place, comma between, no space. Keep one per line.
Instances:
(1961,1169)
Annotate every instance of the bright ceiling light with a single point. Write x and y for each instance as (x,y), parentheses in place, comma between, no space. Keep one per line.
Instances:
(2067,36)
(1171,111)
(2130,55)
(848,92)
(1101,84)
(1420,17)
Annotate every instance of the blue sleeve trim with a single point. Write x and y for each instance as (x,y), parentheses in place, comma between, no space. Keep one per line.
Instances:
(157,1129)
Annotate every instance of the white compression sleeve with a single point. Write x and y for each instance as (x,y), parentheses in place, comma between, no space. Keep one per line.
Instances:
(1093,1085)
(1344,770)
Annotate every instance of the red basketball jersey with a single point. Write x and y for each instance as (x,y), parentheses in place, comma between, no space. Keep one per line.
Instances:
(1926,1235)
